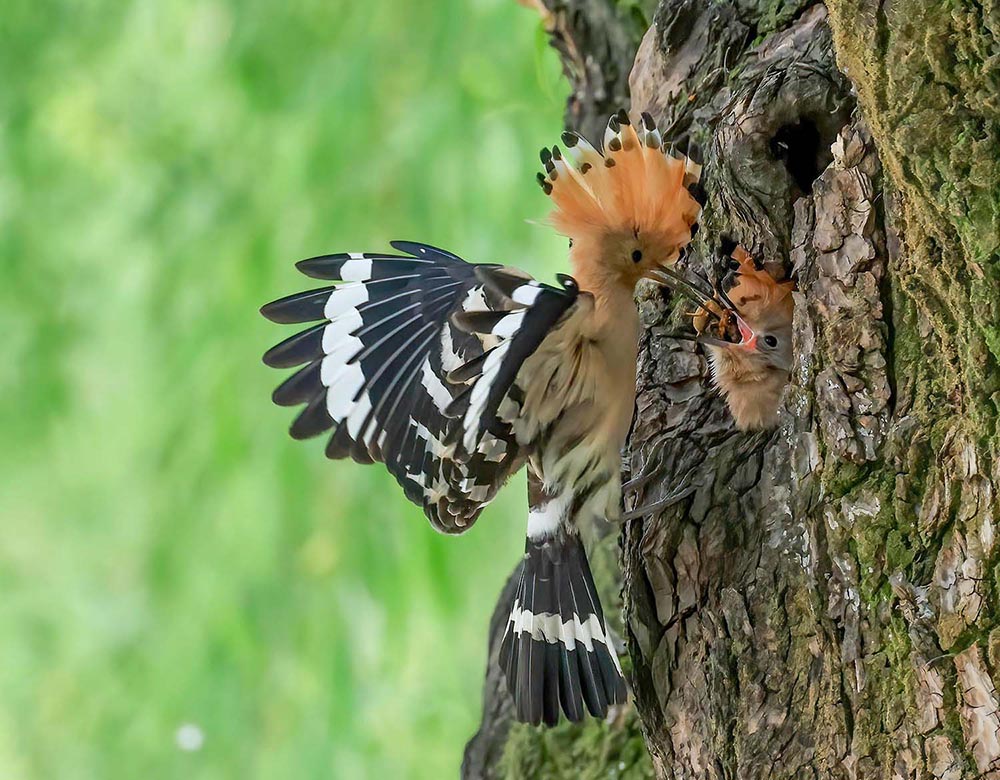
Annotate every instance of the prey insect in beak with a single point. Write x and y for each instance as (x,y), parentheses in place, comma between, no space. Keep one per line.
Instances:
(713,302)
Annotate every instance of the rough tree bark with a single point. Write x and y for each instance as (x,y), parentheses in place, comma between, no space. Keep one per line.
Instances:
(823,603)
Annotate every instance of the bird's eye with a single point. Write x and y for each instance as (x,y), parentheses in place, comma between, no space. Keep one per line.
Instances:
(770,341)
(636,256)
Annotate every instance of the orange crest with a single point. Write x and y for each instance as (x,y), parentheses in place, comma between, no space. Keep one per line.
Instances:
(636,191)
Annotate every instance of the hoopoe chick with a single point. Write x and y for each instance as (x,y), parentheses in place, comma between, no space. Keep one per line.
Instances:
(751,372)
(455,375)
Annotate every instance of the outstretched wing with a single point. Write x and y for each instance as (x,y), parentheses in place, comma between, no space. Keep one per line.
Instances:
(411,362)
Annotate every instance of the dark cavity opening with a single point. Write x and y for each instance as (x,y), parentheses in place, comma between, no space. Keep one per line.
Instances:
(727,245)
(801,150)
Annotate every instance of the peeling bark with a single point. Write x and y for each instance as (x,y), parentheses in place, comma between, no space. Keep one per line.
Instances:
(823,601)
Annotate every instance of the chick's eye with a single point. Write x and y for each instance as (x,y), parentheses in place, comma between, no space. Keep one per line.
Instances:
(770,341)
(636,256)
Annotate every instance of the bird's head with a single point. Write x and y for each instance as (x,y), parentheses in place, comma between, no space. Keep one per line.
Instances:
(747,333)
(627,211)
(765,340)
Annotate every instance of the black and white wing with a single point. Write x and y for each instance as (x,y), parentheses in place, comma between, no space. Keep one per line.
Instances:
(411,362)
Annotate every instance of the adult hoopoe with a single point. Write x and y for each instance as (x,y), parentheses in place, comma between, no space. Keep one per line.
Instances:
(455,375)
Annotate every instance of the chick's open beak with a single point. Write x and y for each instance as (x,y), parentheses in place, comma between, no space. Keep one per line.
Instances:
(748,339)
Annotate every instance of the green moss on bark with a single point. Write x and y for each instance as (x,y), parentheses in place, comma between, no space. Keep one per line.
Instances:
(591,750)
(776,14)
(928,81)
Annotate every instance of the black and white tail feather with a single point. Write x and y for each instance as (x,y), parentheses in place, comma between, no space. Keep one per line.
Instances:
(556,651)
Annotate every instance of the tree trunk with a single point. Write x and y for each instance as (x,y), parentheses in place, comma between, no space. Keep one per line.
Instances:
(822,603)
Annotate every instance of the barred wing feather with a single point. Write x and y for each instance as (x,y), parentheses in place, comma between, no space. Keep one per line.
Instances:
(410,360)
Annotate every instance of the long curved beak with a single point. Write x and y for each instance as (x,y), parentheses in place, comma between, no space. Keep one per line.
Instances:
(714,342)
(692,287)
(698,290)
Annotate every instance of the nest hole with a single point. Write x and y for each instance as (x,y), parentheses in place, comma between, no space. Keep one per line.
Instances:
(800,147)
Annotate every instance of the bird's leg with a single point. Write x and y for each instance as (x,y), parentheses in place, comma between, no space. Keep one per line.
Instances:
(672,498)
(635,485)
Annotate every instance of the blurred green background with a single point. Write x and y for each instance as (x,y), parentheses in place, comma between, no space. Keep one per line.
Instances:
(184,591)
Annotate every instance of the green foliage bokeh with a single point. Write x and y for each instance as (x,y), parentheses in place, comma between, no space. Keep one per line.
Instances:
(171,562)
